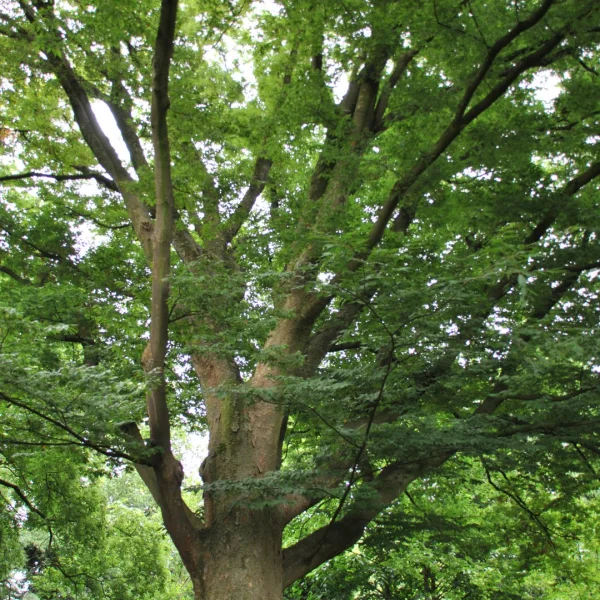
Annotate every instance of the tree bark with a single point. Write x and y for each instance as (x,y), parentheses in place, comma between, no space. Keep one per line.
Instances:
(242,540)
(242,555)
(243,558)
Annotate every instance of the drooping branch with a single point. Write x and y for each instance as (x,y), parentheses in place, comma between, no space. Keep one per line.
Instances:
(554,295)
(516,498)
(93,219)
(495,293)
(41,251)
(23,497)
(557,398)
(13,30)
(81,439)
(44,443)
(98,177)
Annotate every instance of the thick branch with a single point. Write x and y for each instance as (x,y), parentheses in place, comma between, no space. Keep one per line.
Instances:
(532,60)
(331,183)
(14,275)
(384,99)
(570,190)
(120,104)
(255,189)
(317,304)
(495,50)
(342,347)
(147,474)
(168,471)
(92,133)
(332,539)
(163,231)
(403,185)
(321,341)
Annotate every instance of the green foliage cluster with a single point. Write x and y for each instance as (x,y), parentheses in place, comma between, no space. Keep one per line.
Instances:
(472,531)
(94,533)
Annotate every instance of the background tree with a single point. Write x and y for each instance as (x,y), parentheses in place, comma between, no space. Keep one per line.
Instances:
(348,291)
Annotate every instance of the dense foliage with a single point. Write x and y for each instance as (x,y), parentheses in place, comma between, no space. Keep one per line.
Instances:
(355,244)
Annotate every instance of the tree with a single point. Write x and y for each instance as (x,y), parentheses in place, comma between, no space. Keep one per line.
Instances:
(349,291)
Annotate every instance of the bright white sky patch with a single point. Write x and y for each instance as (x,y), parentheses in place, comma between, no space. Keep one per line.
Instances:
(547,88)
(109,126)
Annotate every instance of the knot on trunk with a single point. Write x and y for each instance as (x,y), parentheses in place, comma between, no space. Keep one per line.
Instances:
(147,359)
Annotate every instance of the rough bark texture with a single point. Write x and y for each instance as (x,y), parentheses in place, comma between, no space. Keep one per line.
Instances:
(243,556)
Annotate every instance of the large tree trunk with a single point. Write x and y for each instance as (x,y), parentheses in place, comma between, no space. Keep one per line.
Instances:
(243,559)
(242,556)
